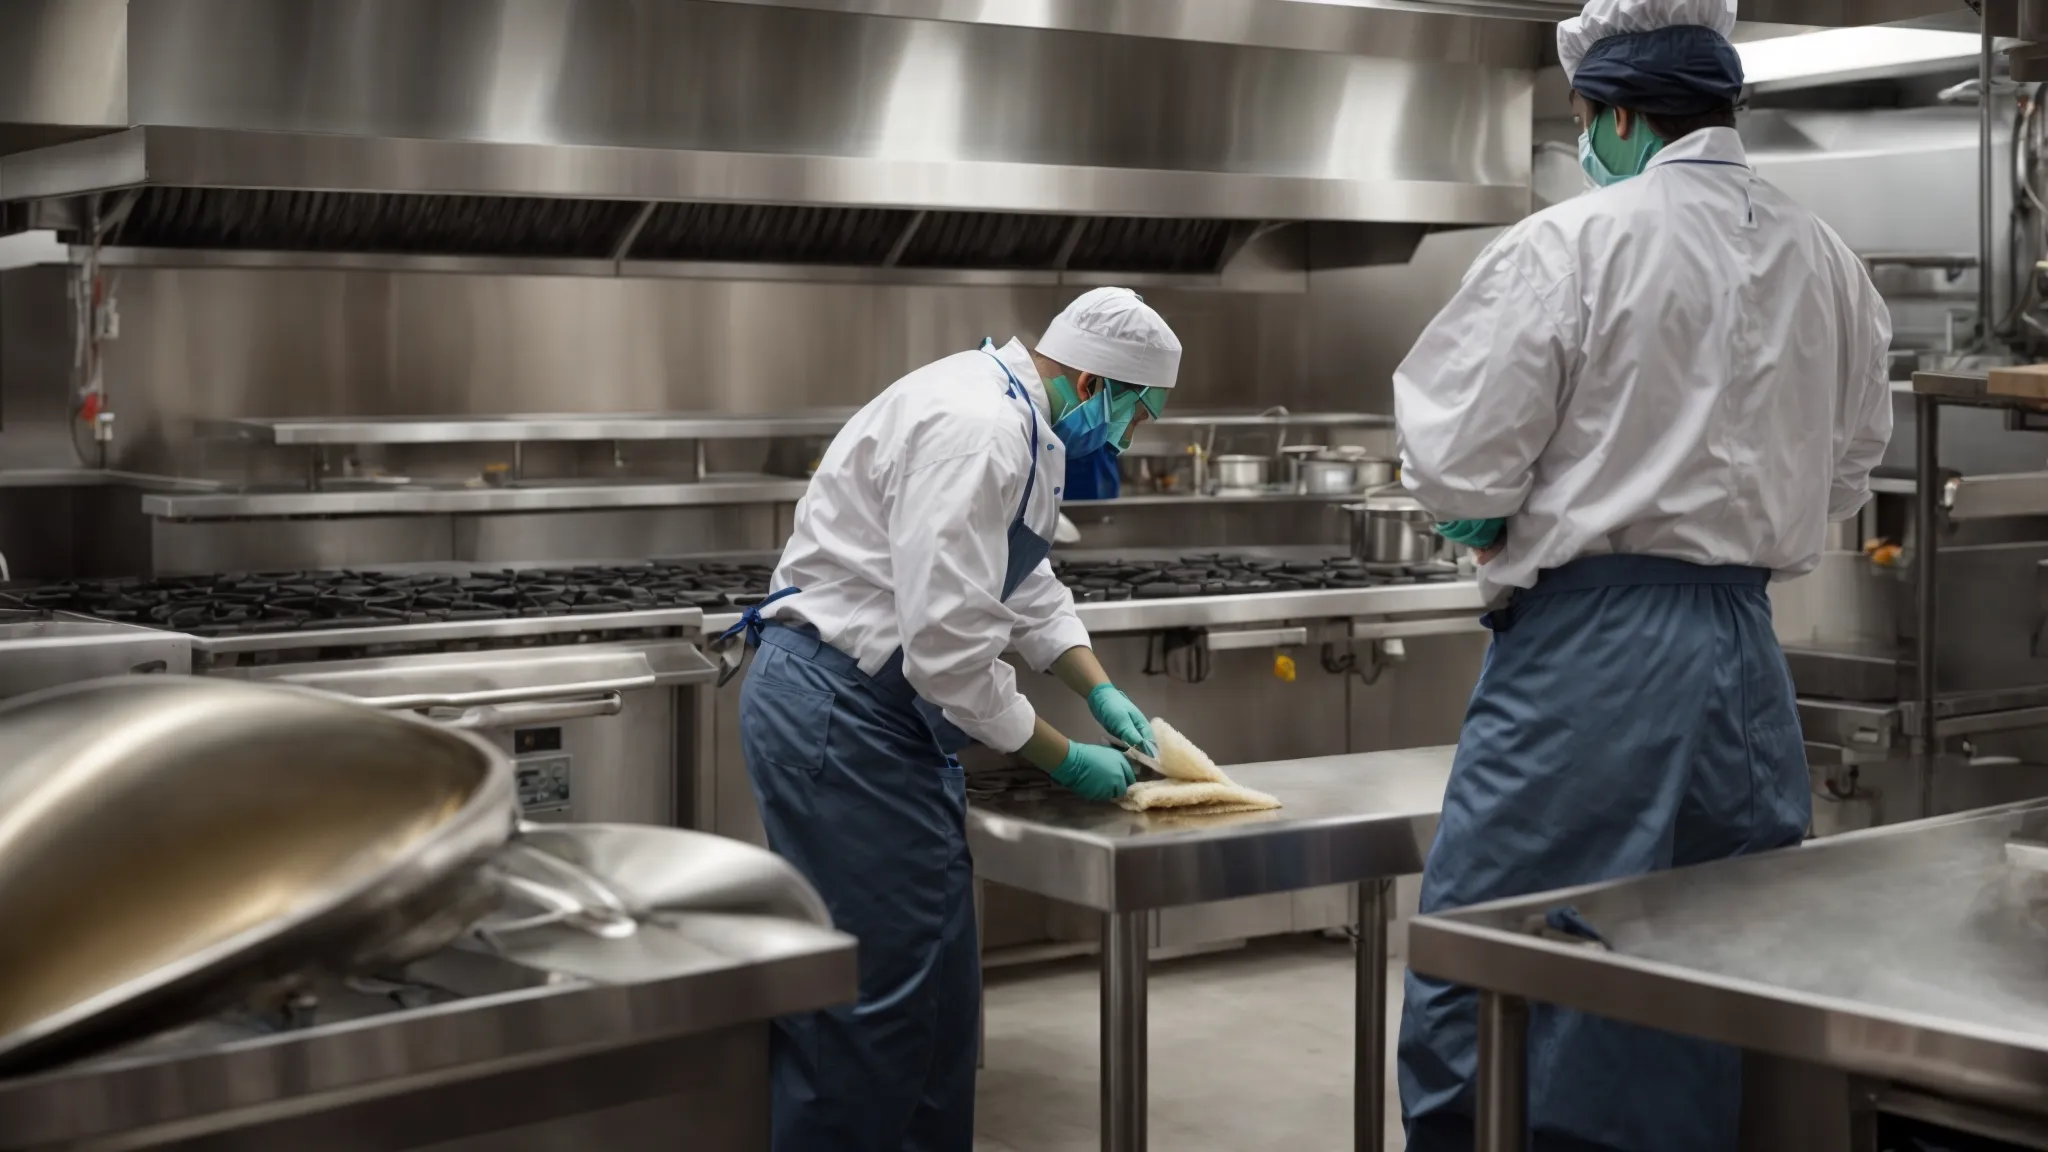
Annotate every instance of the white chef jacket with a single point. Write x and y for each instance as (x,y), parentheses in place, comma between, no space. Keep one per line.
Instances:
(1684,364)
(901,541)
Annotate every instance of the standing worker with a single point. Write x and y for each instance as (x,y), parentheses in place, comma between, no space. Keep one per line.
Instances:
(1641,405)
(918,557)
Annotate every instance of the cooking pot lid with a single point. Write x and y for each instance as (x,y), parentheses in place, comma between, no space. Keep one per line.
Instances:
(1382,500)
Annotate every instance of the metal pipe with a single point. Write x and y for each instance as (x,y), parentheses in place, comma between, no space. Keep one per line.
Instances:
(1369,1104)
(1502,1087)
(1926,533)
(1986,106)
(1126,939)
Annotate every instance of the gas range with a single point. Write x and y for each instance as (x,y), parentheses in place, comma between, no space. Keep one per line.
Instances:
(1224,574)
(274,617)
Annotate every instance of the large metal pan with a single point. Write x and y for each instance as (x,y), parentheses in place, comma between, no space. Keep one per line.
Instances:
(169,843)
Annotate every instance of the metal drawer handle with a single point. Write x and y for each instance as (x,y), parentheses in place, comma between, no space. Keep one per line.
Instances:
(509,695)
(490,716)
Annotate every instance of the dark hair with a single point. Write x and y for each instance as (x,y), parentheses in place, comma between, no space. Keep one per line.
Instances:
(1673,128)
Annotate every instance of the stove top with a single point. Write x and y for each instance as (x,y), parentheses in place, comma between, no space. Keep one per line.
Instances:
(1221,574)
(261,610)
(277,602)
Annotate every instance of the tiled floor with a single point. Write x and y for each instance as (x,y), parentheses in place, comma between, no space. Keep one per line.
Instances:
(1250,1049)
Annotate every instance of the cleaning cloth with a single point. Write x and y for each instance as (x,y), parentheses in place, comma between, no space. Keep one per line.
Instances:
(1194,785)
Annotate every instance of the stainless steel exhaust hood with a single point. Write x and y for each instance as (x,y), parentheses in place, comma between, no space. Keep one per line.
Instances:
(866,134)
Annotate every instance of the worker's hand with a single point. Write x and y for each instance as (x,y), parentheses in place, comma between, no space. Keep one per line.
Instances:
(1121,718)
(1094,772)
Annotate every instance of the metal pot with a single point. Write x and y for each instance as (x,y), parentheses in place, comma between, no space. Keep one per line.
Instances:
(1376,472)
(1329,476)
(1238,472)
(1296,455)
(1394,530)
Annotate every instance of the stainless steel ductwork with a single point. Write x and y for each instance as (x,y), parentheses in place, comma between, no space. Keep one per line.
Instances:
(722,132)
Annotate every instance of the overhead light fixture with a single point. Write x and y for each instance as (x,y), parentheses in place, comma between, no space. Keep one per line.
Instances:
(1837,54)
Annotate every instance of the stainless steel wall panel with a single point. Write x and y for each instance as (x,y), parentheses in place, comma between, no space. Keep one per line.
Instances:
(620,535)
(222,343)
(288,545)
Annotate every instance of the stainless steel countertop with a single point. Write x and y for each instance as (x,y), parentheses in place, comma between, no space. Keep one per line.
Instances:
(1457,602)
(1914,953)
(1345,818)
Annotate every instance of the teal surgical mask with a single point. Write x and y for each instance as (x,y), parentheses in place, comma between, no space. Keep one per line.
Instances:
(1609,159)
(1105,419)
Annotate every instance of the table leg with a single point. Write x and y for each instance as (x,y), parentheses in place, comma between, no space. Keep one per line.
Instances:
(1126,940)
(981,1003)
(1503,1083)
(1369,1094)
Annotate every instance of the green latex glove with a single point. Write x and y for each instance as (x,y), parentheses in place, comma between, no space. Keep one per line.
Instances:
(1121,718)
(1094,772)
(1472,533)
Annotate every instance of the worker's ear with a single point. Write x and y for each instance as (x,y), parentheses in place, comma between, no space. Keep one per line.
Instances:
(1086,386)
(1624,122)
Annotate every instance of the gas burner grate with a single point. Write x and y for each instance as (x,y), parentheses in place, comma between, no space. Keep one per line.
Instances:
(1221,574)
(276,602)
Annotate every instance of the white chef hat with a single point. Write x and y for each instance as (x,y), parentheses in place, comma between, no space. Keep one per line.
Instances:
(1604,18)
(1112,332)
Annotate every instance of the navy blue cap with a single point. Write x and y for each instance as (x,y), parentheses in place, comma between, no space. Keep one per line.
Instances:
(1681,70)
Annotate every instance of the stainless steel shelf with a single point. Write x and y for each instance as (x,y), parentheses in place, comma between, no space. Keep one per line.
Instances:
(1160,499)
(1284,420)
(101,478)
(445,501)
(560,426)
(513,429)
(423,499)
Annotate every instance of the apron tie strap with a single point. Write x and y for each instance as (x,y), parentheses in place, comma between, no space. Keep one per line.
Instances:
(727,647)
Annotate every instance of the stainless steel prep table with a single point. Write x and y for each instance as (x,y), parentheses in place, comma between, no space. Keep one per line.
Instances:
(1914,955)
(1358,819)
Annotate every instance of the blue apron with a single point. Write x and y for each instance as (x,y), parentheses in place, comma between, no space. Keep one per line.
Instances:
(1634,713)
(859,790)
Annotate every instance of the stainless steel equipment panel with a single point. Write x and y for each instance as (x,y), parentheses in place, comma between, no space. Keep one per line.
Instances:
(36,653)
(593,727)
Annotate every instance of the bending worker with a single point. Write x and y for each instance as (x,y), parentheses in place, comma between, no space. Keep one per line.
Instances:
(1641,405)
(918,557)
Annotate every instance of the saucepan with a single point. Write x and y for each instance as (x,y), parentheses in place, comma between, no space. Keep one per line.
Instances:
(1239,473)
(170,844)
(1394,529)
